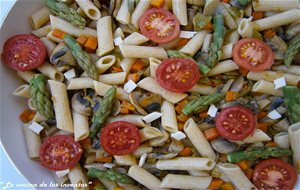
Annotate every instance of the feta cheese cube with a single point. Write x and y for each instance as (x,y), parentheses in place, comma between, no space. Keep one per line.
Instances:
(130,86)
(118,40)
(143,159)
(109,165)
(178,135)
(212,111)
(152,116)
(35,127)
(70,74)
(280,82)
(274,115)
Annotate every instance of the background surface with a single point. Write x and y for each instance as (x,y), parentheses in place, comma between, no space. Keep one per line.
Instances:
(8,173)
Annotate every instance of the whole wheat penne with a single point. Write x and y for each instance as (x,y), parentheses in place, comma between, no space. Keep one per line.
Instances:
(105,36)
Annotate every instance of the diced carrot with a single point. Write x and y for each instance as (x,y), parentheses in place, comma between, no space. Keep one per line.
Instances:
(81,40)
(271,143)
(263,126)
(180,126)
(106,159)
(225,1)
(187,151)
(257,15)
(182,42)
(269,33)
(157,3)
(244,164)
(262,114)
(116,69)
(230,96)
(119,188)
(203,114)
(227,186)
(211,133)
(215,184)
(91,44)
(180,106)
(243,71)
(27,115)
(58,33)
(127,105)
(249,173)
(137,66)
(182,117)
(124,110)
(134,77)
(209,26)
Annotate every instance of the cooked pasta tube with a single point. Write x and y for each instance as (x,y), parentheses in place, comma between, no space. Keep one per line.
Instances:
(292,69)
(263,103)
(206,43)
(39,117)
(134,119)
(290,79)
(61,105)
(151,85)
(110,185)
(199,173)
(81,126)
(280,19)
(26,75)
(245,28)
(42,32)
(236,176)
(77,177)
(142,6)
(135,39)
(234,36)
(186,163)
(153,66)
(101,89)
(67,27)
(144,148)
(30,104)
(81,12)
(51,37)
(223,67)
(274,5)
(50,71)
(144,177)
(227,51)
(180,11)
(80,83)
(266,87)
(127,63)
(257,136)
(210,7)
(105,36)
(125,160)
(119,33)
(22,91)
(198,139)
(60,180)
(194,44)
(113,78)
(201,89)
(123,15)
(185,182)
(248,11)
(133,51)
(105,62)
(149,133)
(33,142)
(89,9)
(196,2)
(40,17)
(282,140)
(168,118)
(49,45)
(294,137)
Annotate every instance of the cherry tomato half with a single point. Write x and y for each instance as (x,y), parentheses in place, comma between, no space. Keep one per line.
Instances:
(159,25)
(274,174)
(24,52)
(177,74)
(60,152)
(120,138)
(253,54)
(235,123)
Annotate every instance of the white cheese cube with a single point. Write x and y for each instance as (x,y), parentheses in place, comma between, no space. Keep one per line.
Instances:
(280,82)
(130,86)
(118,40)
(62,173)
(70,74)
(109,165)
(152,116)
(178,135)
(212,111)
(143,159)
(35,127)
(187,34)
(274,115)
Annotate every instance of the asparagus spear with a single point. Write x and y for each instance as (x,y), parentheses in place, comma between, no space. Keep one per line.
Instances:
(65,12)
(200,59)
(81,57)
(110,175)
(255,153)
(292,102)
(201,102)
(41,96)
(103,112)
(178,54)
(292,50)
(215,53)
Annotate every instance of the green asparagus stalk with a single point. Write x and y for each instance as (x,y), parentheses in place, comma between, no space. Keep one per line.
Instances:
(110,175)
(40,96)
(65,12)
(103,112)
(201,102)
(292,102)
(215,53)
(81,57)
(255,153)
(177,54)
(292,50)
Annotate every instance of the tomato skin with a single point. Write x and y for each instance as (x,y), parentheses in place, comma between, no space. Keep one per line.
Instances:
(268,172)
(120,138)
(177,74)
(253,49)
(239,121)
(167,25)
(24,52)
(60,148)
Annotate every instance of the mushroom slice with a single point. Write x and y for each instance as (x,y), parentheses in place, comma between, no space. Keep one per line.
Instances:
(134,99)
(150,102)
(223,146)
(112,6)
(116,108)
(61,55)
(81,105)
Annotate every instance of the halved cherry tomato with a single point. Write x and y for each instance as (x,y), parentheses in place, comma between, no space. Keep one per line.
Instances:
(120,138)
(159,25)
(253,54)
(235,123)
(177,74)
(60,152)
(274,174)
(24,52)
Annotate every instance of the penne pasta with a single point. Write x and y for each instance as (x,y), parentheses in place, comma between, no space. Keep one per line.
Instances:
(51,72)
(266,87)
(134,119)
(185,182)
(101,89)
(123,15)
(26,75)
(293,69)
(22,91)
(33,142)
(294,138)
(113,78)
(77,177)
(40,17)
(180,11)
(105,36)
(186,163)
(42,32)
(194,44)
(49,45)
(80,83)
(81,126)
(125,160)
(274,5)
(142,6)
(89,9)
(133,51)
(282,140)
(135,39)
(227,51)
(245,28)
(168,118)
(148,133)
(153,66)
(257,136)
(127,63)
(223,67)
(201,89)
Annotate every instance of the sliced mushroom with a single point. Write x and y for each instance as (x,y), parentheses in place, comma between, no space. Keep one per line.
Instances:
(61,55)
(116,108)
(134,100)
(223,146)
(81,105)
(159,141)
(176,146)
(150,102)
